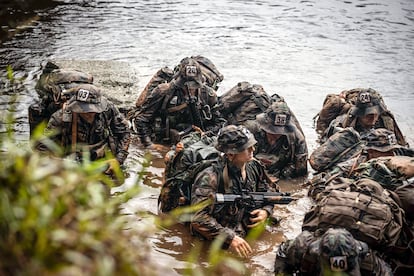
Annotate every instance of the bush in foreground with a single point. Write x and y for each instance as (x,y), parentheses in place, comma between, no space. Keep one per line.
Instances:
(58,217)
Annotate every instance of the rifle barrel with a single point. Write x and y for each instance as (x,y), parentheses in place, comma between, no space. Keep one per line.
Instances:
(259,197)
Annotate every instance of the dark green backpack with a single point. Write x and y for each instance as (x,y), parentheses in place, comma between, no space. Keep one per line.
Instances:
(362,207)
(210,72)
(182,168)
(243,102)
(341,146)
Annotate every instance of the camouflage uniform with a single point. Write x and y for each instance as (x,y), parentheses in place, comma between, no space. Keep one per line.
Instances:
(227,220)
(52,82)
(169,111)
(368,101)
(287,157)
(336,251)
(109,130)
(352,149)
(347,154)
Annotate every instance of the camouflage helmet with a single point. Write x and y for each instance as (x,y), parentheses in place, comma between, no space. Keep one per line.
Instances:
(368,101)
(190,70)
(276,119)
(339,251)
(234,139)
(380,139)
(86,98)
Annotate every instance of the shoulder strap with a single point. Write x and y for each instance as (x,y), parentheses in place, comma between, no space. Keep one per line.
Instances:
(257,100)
(228,183)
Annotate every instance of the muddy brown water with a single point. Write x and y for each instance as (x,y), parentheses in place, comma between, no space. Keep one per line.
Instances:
(301,50)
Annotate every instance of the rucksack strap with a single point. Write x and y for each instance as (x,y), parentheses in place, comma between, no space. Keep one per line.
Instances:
(228,183)
(339,156)
(258,102)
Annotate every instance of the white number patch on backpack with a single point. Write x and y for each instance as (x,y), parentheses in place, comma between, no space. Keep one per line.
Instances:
(339,263)
(83,95)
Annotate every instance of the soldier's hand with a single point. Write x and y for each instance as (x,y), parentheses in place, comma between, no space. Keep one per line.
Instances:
(257,217)
(179,147)
(241,246)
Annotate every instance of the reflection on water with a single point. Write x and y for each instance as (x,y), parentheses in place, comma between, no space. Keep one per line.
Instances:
(301,50)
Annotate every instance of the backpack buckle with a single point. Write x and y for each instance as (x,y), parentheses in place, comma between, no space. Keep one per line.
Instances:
(206,110)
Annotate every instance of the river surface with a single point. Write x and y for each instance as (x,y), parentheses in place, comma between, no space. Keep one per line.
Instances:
(301,50)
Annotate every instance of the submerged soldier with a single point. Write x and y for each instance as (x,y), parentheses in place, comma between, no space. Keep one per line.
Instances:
(89,123)
(368,112)
(52,82)
(281,145)
(172,109)
(336,252)
(237,172)
(346,149)
(346,153)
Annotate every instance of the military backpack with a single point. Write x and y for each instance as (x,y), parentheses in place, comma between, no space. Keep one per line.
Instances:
(362,207)
(51,87)
(211,75)
(333,106)
(243,102)
(182,168)
(390,171)
(341,146)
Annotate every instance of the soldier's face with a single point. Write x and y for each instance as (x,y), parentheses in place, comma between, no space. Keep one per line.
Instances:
(243,157)
(369,120)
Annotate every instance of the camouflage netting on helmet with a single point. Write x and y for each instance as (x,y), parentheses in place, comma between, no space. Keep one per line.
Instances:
(234,139)
(339,251)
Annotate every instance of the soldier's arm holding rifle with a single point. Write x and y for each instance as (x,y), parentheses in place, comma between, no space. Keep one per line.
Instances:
(255,203)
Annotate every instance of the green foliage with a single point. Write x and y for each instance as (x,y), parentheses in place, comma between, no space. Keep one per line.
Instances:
(9,71)
(57,216)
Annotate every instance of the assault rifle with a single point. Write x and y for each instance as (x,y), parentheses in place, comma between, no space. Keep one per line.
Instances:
(249,201)
(254,200)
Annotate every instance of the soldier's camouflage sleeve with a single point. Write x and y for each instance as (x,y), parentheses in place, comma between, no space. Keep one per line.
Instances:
(151,107)
(53,131)
(204,189)
(300,155)
(121,132)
